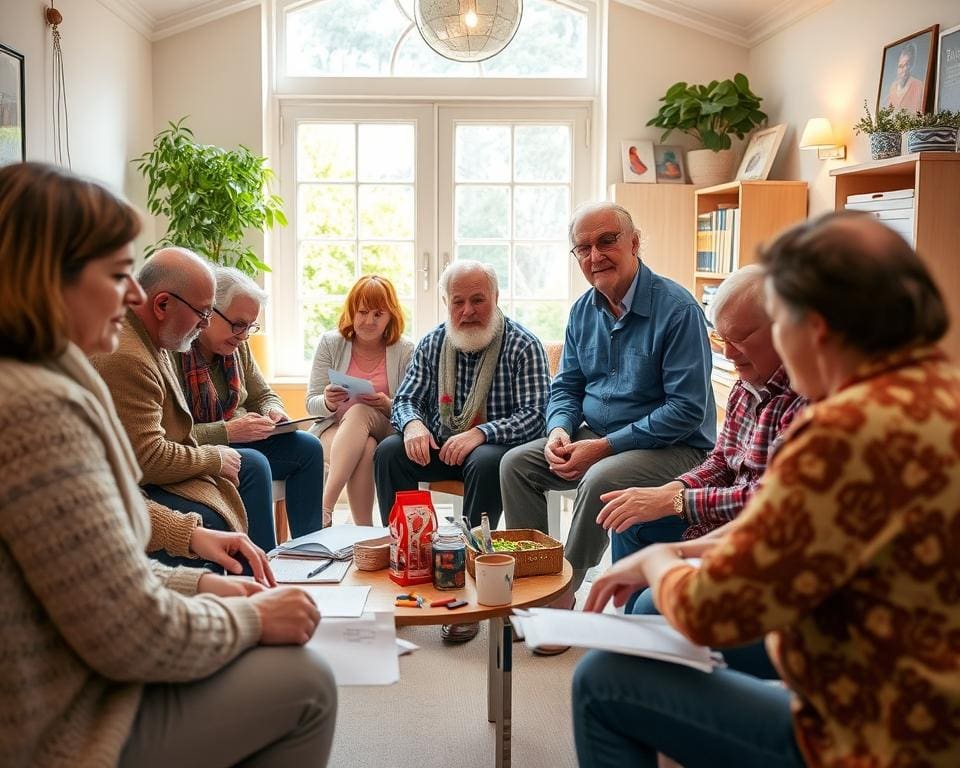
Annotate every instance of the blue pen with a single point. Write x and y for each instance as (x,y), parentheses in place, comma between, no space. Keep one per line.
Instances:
(320,569)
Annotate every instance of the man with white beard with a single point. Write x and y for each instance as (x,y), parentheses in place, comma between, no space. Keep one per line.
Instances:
(476,386)
(205,482)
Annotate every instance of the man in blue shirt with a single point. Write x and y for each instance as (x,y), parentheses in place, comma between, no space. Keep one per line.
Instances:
(631,405)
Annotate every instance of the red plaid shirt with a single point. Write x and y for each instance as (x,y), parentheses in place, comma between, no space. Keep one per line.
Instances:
(720,487)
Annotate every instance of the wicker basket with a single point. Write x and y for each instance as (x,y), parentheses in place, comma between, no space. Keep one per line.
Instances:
(372,554)
(529,562)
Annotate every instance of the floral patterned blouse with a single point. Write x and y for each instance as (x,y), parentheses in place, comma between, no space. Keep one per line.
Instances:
(849,556)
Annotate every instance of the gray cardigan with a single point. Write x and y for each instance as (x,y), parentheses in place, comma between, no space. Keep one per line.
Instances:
(334,351)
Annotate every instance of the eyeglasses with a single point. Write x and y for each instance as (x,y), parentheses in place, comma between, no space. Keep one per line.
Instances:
(720,340)
(605,243)
(239,329)
(204,315)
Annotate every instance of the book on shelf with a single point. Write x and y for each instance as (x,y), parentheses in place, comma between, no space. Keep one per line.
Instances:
(723,364)
(718,241)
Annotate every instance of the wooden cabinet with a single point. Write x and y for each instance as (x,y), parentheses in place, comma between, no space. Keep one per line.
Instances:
(935,179)
(664,215)
(766,207)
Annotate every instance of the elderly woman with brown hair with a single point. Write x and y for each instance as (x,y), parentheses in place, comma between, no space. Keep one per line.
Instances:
(845,558)
(110,658)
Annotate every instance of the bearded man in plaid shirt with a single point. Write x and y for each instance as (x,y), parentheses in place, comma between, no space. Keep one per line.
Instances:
(760,408)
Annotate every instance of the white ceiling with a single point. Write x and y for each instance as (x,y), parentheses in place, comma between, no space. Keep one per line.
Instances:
(745,22)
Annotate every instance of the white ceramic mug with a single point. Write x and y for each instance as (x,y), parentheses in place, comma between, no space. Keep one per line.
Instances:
(494,579)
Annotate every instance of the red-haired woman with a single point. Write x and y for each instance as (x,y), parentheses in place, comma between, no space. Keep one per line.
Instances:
(368,344)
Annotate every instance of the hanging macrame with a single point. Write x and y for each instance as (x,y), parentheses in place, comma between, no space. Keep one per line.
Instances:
(61,120)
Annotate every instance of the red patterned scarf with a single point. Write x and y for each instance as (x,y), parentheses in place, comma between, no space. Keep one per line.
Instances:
(202,397)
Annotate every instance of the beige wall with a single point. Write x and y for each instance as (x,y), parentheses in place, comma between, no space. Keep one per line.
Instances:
(108,87)
(826,65)
(646,56)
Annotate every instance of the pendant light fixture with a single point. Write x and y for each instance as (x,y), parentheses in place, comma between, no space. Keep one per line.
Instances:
(467,30)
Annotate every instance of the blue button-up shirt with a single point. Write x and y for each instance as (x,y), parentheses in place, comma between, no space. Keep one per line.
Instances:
(641,380)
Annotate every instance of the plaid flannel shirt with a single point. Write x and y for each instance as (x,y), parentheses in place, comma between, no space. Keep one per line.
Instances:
(720,487)
(518,393)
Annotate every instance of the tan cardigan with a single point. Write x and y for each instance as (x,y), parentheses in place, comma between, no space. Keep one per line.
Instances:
(154,413)
(87,619)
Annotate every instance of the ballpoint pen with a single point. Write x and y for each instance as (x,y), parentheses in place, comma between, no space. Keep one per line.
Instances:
(320,568)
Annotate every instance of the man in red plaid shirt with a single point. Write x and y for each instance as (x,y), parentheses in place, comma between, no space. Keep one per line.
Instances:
(760,407)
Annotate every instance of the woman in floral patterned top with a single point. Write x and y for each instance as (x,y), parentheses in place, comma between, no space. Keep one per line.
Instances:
(845,559)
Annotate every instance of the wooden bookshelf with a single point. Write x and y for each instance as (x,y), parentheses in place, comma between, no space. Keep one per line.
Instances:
(935,179)
(766,207)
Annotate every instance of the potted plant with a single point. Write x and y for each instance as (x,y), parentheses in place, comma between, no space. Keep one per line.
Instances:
(210,197)
(883,130)
(931,131)
(712,114)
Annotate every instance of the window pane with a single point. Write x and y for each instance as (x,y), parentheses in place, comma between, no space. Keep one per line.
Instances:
(343,37)
(325,152)
(416,59)
(547,319)
(326,211)
(326,269)
(542,213)
(496,255)
(542,153)
(318,318)
(540,271)
(386,152)
(386,211)
(394,261)
(551,42)
(482,153)
(482,212)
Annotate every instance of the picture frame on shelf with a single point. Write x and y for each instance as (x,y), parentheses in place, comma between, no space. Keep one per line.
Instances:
(13,134)
(638,161)
(948,71)
(907,72)
(760,153)
(668,161)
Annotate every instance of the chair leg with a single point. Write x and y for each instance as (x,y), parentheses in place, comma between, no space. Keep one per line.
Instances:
(280,521)
(553,514)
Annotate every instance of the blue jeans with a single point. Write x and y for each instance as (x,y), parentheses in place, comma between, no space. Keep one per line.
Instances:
(636,537)
(297,458)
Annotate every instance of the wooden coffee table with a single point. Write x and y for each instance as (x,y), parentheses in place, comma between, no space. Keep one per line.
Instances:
(528,591)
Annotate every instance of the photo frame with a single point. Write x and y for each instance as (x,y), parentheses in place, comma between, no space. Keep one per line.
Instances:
(638,162)
(760,153)
(13,134)
(948,71)
(668,161)
(907,72)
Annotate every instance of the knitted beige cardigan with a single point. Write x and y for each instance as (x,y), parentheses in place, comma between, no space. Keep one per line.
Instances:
(85,618)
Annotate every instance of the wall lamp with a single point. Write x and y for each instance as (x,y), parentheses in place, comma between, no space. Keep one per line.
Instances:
(818,135)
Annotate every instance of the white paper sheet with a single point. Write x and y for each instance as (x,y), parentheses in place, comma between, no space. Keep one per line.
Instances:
(354,386)
(338,602)
(292,570)
(360,651)
(649,636)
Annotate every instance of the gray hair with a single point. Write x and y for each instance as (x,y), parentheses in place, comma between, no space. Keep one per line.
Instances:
(158,274)
(588,209)
(462,267)
(746,284)
(231,282)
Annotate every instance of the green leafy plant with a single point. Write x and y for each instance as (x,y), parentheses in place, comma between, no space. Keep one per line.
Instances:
(711,113)
(884,122)
(210,196)
(911,121)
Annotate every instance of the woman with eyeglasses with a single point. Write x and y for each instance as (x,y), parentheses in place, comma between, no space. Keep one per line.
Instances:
(233,405)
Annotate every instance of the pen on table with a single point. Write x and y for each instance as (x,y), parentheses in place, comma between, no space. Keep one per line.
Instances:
(320,568)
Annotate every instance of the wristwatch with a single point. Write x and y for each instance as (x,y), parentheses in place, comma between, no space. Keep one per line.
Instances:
(678,508)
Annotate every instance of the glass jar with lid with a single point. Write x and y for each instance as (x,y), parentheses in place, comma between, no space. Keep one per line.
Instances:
(449,558)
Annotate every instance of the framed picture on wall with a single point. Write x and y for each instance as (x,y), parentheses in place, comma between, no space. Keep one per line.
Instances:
(638,162)
(669,164)
(907,72)
(760,153)
(13,137)
(948,71)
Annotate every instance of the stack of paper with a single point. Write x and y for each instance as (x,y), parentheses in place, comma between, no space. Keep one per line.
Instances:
(361,651)
(335,542)
(649,636)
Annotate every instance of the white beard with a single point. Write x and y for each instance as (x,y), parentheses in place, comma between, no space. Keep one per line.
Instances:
(472,339)
(174,344)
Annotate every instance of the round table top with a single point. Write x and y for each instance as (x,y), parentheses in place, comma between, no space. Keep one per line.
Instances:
(527,591)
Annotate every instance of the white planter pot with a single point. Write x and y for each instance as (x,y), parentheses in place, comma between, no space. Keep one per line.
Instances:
(707,167)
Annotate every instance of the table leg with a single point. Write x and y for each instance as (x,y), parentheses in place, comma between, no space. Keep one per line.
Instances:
(499,692)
